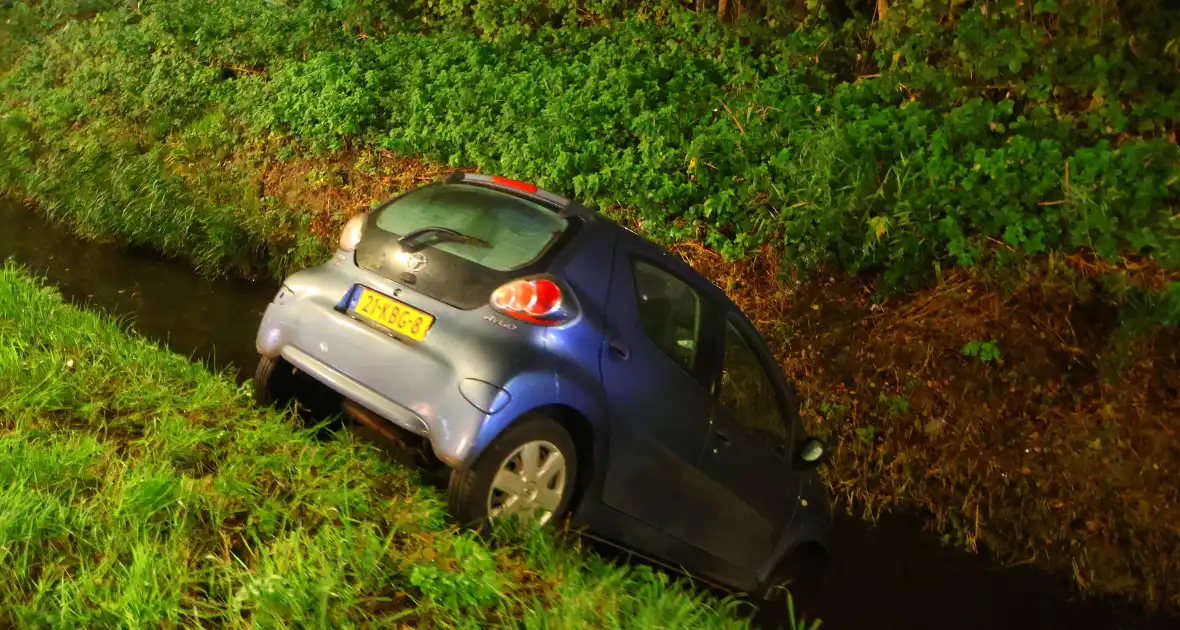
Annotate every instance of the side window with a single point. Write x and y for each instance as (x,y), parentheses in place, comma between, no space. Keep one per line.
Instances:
(669,312)
(747,391)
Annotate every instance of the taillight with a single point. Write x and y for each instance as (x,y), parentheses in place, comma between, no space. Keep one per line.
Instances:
(538,301)
(351,235)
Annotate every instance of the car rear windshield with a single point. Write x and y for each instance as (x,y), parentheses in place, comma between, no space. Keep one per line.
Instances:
(506,232)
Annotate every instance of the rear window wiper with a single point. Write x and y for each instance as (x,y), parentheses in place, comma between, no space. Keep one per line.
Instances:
(438,235)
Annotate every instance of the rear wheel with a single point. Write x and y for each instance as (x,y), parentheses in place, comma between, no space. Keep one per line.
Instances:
(274,382)
(527,474)
(278,383)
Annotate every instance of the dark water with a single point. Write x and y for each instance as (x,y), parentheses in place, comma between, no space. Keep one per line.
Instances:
(210,320)
(894,576)
(884,577)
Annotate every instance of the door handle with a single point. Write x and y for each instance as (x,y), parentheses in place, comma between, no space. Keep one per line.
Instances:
(620,348)
(722,438)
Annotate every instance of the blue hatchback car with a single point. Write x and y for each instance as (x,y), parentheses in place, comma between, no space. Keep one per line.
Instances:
(560,366)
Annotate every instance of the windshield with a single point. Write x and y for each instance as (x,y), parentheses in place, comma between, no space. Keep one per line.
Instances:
(503,232)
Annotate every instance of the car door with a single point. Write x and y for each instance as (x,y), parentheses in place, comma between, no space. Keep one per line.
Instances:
(656,375)
(737,516)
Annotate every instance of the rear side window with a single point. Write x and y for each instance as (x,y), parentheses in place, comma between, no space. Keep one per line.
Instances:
(669,312)
(747,391)
(506,232)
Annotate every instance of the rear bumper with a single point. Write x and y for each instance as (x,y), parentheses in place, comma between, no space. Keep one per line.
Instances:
(353,390)
(414,387)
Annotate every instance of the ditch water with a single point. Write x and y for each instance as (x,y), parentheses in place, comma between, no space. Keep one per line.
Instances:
(883,577)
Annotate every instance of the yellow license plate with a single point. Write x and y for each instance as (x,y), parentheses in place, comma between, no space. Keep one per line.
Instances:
(391,314)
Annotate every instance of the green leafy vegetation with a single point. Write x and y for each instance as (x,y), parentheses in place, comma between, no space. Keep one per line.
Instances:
(942,133)
(138,489)
(985,351)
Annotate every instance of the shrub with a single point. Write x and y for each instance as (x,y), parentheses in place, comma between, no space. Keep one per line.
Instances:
(937,135)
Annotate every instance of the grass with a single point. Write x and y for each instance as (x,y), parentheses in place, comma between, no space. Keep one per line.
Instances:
(137,489)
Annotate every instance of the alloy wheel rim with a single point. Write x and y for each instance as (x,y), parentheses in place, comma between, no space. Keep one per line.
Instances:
(529,484)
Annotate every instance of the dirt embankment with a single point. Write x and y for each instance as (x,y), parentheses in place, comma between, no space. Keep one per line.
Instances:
(1007,412)
(1000,403)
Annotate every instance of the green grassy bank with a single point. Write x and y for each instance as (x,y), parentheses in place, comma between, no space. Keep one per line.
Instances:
(139,490)
(956,222)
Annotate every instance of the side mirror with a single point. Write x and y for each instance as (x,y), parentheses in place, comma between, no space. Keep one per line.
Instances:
(812,453)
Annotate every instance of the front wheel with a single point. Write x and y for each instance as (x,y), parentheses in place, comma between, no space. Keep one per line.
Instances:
(801,574)
(526,474)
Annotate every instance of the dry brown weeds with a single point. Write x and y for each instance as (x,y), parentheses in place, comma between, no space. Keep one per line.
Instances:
(1045,456)
(1039,456)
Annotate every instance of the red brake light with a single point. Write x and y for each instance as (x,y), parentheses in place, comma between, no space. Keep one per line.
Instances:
(512,183)
(529,300)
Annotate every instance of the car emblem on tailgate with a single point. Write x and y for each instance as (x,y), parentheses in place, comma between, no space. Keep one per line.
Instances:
(500,322)
(415,262)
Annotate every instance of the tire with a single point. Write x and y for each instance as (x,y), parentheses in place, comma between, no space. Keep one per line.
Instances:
(471,495)
(801,574)
(279,384)
(274,382)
